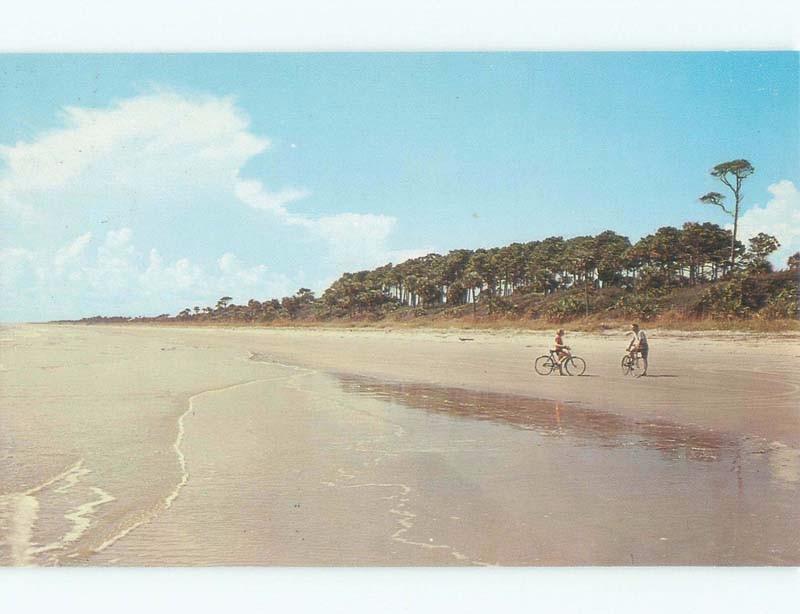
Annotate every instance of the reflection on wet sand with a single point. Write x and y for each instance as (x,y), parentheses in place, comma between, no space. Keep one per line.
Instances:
(597,428)
(581,486)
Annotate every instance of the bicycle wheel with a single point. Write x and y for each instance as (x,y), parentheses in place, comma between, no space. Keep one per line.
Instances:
(627,364)
(543,365)
(576,365)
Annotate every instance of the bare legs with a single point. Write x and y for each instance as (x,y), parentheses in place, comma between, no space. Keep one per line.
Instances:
(562,358)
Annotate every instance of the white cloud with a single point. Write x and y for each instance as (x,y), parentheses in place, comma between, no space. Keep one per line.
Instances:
(157,151)
(178,277)
(780,217)
(146,148)
(396,256)
(354,240)
(230,266)
(14,261)
(114,264)
(253,194)
(185,282)
(118,239)
(118,279)
(72,251)
(166,166)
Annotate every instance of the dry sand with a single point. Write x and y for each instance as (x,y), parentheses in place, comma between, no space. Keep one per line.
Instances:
(150,446)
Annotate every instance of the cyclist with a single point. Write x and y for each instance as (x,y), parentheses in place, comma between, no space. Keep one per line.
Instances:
(561,350)
(639,344)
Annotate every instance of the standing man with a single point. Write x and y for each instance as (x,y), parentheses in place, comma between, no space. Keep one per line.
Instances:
(639,344)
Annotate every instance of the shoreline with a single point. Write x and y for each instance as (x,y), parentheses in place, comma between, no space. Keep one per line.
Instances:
(728,381)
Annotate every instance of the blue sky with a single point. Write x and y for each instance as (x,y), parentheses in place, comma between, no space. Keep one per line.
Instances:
(146,183)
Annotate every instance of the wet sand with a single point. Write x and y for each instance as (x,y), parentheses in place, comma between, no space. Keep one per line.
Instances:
(162,446)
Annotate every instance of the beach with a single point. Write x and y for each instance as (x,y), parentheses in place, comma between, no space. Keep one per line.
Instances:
(147,445)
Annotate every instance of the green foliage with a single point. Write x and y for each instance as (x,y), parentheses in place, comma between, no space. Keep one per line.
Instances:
(223,302)
(732,174)
(565,308)
(747,293)
(738,169)
(501,305)
(726,300)
(716,199)
(456,293)
(610,249)
(784,305)
(760,247)
(651,278)
(640,306)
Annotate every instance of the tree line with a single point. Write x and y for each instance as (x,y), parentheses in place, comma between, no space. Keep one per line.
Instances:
(696,254)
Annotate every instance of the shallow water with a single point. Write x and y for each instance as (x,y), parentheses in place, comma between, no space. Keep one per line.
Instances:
(121,449)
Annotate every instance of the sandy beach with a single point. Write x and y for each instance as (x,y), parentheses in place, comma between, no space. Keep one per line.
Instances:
(195,446)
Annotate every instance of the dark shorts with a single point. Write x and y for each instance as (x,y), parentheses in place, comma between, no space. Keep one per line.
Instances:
(644,350)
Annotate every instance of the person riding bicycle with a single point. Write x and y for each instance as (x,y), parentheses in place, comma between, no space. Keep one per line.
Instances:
(639,344)
(561,350)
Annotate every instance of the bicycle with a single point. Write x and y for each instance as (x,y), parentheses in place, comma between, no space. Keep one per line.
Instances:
(631,363)
(546,364)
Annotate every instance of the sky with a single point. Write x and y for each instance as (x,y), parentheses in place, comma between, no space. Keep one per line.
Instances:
(143,184)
